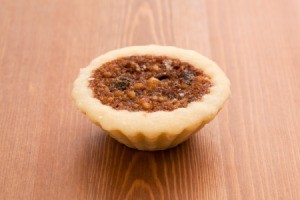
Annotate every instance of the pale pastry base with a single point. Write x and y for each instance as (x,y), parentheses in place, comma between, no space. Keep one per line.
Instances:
(153,130)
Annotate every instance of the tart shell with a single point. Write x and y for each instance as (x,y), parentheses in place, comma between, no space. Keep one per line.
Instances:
(153,130)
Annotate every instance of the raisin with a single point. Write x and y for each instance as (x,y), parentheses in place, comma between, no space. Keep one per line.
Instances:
(122,83)
(188,76)
(169,94)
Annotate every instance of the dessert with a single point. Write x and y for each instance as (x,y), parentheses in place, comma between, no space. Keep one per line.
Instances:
(151,97)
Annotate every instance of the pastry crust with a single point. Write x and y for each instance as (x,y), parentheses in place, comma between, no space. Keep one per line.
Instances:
(153,130)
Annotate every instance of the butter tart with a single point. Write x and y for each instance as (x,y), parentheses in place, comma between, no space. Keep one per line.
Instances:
(151,97)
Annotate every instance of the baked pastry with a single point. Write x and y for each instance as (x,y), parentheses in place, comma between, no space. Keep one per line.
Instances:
(151,97)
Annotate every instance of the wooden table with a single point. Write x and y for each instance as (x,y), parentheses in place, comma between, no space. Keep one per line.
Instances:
(49,150)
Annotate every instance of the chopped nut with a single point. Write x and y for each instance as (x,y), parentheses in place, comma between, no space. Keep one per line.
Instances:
(152,82)
(184,101)
(138,68)
(109,99)
(203,80)
(176,105)
(199,78)
(106,89)
(174,101)
(131,94)
(134,65)
(106,74)
(138,86)
(161,99)
(155,68)
(146,105)
(155,98)
(118,93)
(168,64)
(184,86)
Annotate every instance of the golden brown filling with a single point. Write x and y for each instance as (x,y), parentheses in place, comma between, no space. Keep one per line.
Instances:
(148,83)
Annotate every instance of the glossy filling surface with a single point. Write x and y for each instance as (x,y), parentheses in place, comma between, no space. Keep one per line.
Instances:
(148,83)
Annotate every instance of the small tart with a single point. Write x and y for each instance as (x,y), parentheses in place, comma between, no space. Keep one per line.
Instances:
(151,97)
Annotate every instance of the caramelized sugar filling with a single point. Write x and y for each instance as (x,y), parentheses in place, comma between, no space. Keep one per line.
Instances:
(148,83)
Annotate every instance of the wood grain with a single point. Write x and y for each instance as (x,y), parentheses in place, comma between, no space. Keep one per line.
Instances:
(48,150)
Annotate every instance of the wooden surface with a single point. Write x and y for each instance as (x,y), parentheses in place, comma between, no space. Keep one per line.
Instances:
(49,150)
